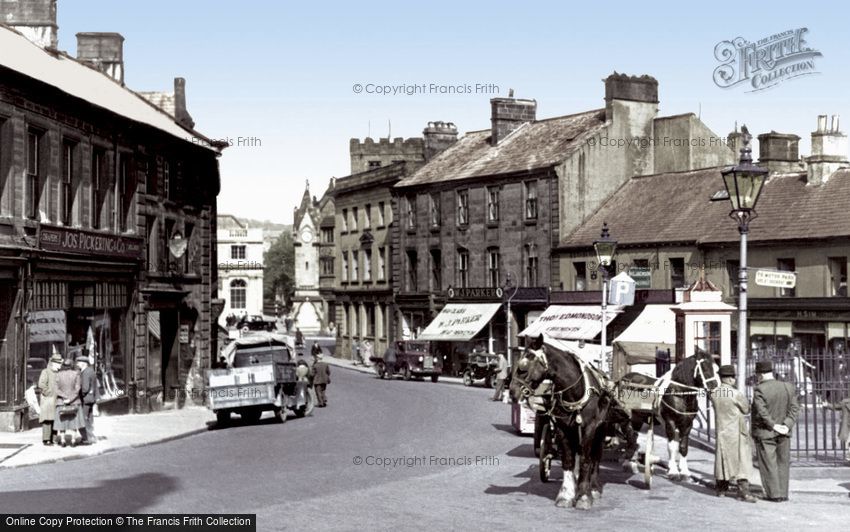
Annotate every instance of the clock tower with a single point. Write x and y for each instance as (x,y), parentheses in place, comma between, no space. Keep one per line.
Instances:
(307,303)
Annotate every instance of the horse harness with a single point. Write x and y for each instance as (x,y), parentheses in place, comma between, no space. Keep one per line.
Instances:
(691,390)
(557,397)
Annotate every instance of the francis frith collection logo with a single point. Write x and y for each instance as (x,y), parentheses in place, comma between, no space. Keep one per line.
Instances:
(764,63)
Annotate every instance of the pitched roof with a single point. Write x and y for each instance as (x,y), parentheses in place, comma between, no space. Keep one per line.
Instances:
(72,77)
(676,207)
(533,145)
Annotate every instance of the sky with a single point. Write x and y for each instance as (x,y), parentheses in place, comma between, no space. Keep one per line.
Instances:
(282,75)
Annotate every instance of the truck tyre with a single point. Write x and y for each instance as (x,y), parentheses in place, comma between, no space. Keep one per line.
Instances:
(467,377)
(381,370)
(435,378)
(406,374)
(222,418)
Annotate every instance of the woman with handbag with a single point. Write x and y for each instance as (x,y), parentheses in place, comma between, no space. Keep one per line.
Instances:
(69,416)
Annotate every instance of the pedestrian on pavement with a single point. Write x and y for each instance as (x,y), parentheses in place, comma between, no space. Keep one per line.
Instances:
(69,413)
(316,349)
(299,337)
(321,379)
(46,391)
(733,455)
(501,375)
(88,394)
(775,411)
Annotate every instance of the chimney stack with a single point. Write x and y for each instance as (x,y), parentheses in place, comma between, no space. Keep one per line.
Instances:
(779,152)
(103,51)
(180,113)
(508,114)
(35,19)
(829,151)
(643,89)
(438,136)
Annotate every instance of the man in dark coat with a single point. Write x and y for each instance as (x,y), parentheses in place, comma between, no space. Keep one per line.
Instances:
(316,350)
(299,337)
(88,392)
(775,411)
(321,379)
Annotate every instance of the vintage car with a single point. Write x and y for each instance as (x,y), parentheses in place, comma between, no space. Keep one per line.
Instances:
(409,358)
(480,366)
(256,323)
(261,375)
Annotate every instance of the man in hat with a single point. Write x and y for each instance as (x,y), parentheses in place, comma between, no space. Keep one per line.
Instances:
(88,392)
(733,456)
(46,391)
(775,411)
(321,379)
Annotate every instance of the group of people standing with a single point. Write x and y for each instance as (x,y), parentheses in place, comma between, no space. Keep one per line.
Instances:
(67,392)
(774,411)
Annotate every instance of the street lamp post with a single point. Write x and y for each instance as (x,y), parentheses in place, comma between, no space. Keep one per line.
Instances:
(743,184)
(508,276)
(605,248)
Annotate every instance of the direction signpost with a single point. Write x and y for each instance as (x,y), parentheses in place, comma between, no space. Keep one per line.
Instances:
(776,278)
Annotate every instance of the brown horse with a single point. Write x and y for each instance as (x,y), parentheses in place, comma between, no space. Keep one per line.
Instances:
(579,406)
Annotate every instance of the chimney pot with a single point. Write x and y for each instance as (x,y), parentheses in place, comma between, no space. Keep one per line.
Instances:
(821,123)
(103,51)
(181,114)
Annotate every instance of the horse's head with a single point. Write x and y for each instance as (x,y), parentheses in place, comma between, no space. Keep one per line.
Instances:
(529,372)
(705,370)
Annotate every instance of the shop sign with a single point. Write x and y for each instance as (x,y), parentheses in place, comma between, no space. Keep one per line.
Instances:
(476,294)
(71,240)
(641,276)
(776,278)
(46,326)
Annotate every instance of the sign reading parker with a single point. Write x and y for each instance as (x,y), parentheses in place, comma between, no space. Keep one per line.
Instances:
(764,63)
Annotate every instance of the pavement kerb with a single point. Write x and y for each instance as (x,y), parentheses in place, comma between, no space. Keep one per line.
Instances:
(72,457)
(337,363)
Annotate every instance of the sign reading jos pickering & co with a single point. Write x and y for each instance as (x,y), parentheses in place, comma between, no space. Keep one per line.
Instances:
(70,240)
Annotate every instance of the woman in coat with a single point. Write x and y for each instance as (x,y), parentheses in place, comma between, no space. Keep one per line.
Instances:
(47,403)
(69,415)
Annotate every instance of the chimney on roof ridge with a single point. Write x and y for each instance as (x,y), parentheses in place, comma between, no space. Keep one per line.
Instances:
(438,136)
(103,51)
(180,113)
(643,89)
(35,19)
(829,151)
(507,114)
(779,152)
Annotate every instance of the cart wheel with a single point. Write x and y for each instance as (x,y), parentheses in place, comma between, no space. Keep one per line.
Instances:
(381,370)
(467,378)
(307,409)
(546,450)
(647,460)
(222,418)
(538,429)
(435,378)
(406,374)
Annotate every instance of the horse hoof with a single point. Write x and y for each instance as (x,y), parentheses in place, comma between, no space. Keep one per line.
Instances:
(562,503)
(596,495)
(585,503)
(674,478)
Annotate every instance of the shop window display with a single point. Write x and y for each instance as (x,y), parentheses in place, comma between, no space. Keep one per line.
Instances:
(99,334)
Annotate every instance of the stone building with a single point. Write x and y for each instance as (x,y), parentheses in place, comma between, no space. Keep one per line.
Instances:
(365,231)
(672,225)
(107,225)
(485,215)
(240,267)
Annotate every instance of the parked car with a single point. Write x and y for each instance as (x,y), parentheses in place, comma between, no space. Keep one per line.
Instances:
(261,374)
(480,366)
(410,358)
(256,323)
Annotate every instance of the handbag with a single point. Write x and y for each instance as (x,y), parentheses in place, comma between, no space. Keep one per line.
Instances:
(68,410)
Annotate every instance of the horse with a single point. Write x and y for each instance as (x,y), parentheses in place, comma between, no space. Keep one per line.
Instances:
(579,407)
(677,408)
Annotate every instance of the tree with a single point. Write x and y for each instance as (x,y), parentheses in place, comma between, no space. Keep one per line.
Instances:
(279,270)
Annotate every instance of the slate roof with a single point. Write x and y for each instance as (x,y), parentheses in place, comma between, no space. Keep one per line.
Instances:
(538,144)
(72,77)
(676,208)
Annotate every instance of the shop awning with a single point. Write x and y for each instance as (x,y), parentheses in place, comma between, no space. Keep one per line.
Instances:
(459,322)
(654,328)
(835,330)
(581,322)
